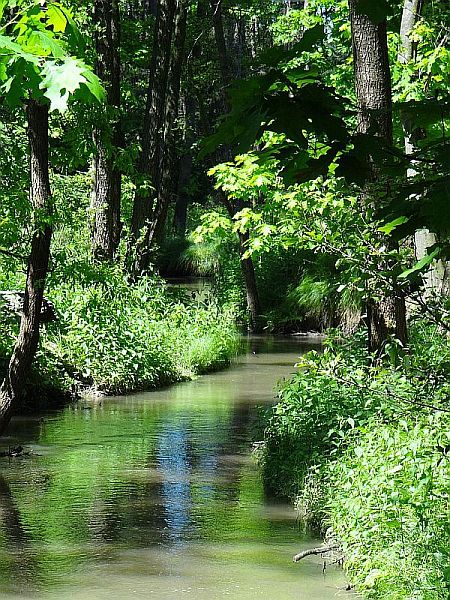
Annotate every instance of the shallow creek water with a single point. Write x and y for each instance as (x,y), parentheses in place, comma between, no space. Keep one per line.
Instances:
(156,495)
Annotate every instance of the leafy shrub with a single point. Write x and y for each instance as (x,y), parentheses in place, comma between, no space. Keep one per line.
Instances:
(315,412)
(366,447)
(122,337)
(389,507)
(119,337)
(110,336)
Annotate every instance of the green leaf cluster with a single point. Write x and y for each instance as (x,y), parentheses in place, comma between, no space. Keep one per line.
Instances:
(37,44)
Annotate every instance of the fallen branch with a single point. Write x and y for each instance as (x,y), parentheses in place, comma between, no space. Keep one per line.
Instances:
(315,552)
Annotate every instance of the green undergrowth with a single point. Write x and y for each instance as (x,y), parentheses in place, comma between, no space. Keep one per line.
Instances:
(366,450)
(116,337)
(121,338)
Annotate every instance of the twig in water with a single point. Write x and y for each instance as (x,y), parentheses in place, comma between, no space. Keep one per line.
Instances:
(315,552)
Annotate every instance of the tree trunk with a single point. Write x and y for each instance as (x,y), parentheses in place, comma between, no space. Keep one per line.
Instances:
(247,266)
(251,289)
(182,200)
(412,9)
(142,228)
(436,276)
(374,95)
(222,53)
(28,338)
(372,74)
(169,167)
(107,138)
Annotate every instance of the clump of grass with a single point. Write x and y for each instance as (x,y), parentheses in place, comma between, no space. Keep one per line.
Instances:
(203,259)
(121,337)
(316,298)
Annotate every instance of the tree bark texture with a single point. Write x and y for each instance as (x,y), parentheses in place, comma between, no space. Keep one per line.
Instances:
(372,74)
(107,137)
(40,197)
(374,96)
(142,223)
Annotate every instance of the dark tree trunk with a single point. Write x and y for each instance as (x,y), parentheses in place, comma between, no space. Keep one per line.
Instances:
(251,289)
(169,166)
(248,269)
(182,199)
(142,221)
(222,52)
(374,95)
(188,124)
(107,138)
(28,338)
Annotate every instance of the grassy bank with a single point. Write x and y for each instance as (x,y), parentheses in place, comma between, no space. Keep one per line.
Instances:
(114,337)
(365,449)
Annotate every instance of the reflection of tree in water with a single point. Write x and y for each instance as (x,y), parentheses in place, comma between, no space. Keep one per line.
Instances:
(194,457)
(173,460)
(17,564)
(209,459)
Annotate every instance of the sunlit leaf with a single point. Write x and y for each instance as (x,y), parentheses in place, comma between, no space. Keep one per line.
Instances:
(389,227)
(421,264)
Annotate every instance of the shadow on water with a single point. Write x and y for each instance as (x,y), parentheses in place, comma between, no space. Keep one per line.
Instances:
(155,493)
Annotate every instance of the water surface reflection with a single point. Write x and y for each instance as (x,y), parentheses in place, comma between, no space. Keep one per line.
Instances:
(154,494)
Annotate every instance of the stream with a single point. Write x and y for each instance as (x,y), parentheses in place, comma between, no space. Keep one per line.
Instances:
(156,495)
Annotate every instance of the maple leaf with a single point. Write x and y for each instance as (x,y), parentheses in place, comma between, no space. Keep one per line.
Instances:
(59,81)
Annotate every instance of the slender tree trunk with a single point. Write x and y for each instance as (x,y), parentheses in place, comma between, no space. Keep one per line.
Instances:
(142,224)
(251,289)
(248,269)
(182,199)
(169,167)
(187,108)
(107,138)
(436,276)
(412,10)
(374,95)
(222,53)
(28,338)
